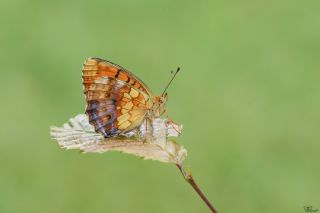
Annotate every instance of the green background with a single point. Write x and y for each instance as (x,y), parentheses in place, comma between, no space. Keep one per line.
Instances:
(248,96)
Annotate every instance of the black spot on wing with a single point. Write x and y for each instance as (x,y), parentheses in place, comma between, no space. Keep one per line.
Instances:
(118,73)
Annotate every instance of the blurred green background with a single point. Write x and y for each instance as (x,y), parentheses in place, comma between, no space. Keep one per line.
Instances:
(248,96)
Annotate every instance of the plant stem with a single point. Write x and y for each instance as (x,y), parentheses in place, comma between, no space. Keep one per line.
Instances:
(188,177)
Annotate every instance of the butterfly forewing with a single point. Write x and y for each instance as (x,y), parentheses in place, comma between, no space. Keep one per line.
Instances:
(117,101)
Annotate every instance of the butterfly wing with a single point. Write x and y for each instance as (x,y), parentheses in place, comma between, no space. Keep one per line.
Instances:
(117,100)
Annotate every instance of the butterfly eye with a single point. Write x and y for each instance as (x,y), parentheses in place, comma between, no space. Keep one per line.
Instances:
(163,98)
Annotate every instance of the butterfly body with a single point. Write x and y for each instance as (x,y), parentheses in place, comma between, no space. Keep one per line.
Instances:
(117,100)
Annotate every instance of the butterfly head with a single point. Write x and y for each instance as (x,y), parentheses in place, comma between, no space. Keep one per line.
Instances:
(159,106)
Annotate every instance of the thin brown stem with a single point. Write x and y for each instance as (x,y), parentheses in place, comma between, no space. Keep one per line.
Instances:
(188,177)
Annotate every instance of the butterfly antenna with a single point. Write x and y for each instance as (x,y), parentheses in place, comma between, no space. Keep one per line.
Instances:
(170,81)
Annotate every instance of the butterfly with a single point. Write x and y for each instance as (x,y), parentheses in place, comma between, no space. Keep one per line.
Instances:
(117,100)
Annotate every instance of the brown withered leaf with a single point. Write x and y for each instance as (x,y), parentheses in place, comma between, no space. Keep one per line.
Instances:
(79,134)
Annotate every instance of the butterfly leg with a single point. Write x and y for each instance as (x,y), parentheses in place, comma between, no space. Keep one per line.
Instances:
(174,125)
(147,137)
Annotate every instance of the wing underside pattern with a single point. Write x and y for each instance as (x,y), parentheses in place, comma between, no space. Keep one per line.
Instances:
(117,101)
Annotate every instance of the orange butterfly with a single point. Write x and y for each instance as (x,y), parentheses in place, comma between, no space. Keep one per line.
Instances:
(117,100)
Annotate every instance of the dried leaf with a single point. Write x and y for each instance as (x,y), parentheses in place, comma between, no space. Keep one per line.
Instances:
(79,134)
